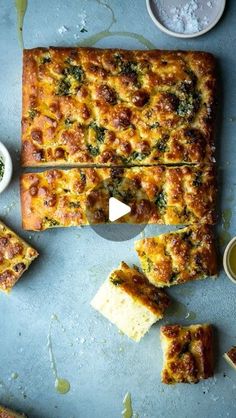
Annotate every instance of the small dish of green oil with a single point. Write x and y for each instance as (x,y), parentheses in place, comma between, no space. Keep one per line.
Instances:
(229,260)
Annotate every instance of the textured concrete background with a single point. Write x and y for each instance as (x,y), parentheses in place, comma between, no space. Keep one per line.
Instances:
(101,364)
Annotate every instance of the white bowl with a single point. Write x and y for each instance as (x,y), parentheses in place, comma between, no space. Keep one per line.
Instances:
(226,262)
(163,28)
(7,175)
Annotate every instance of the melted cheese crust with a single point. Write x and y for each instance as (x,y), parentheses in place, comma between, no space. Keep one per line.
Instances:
(15,257)
(138,287)
(7,413)
(188,353)
(117,107)
(180,256)
(174,195)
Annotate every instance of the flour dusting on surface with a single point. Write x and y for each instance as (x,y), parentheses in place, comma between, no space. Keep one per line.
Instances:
(184,18)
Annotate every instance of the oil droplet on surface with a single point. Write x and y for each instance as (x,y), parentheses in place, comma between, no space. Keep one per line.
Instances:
(232,260)
(180,311)
(128,410)
(62,386)
(92,40)
(14,376)
(21,6)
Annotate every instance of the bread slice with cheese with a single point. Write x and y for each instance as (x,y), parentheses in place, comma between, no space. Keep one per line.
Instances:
(130,302)
(179,256)
(188,353)
(7,413)
(230,357)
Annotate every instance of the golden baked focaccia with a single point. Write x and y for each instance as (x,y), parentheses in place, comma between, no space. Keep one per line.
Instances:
(117,107)
(230,357)
(188,353)
(8,413)
(129,301)
(179,256)
(15,257)
(157,195)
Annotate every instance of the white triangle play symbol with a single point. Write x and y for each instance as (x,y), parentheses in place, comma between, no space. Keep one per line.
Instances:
(117,209)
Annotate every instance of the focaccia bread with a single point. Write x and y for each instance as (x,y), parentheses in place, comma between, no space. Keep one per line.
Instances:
(129,301)
(230,357)
(15,257)
(7,413)
(157,195)
(179,256)
(117,107)
(188,353)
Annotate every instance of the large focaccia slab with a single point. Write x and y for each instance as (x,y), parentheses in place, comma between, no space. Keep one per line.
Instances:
(117,107)
(158,195)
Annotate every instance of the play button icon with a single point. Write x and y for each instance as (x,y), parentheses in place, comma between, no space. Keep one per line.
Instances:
(117,209)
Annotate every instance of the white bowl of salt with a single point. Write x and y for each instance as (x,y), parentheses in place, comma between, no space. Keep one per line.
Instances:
(185,18)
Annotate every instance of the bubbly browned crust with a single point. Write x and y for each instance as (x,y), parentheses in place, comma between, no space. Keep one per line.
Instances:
(179,256)
(117,107)
(15,257)
(188,353)
(8,413)
(174,195)
(133,282)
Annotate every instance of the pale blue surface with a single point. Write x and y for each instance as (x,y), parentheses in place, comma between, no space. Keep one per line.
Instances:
(74,262)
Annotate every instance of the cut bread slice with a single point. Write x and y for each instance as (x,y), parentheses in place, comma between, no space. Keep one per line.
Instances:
(130,302)
(179,256)
(230,357)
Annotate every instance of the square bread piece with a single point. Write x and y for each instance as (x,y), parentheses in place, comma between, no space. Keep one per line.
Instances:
(179,256)
(156,195)
(7,413)
(188,353)
(230,357)
(130,302)
(15,257)
(117,107)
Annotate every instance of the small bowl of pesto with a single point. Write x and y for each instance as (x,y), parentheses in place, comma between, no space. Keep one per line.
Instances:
(5,167)
(229,260)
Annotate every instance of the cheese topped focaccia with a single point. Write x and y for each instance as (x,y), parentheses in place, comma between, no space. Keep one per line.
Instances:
(158,195)
(8,413)
(188,353)
(15,257)
(129,301)
(117,107)
(179,256)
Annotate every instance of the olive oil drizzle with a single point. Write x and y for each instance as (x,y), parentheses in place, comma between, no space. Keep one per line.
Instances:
(21,6)
(92,40)
(128,410)
(62,386)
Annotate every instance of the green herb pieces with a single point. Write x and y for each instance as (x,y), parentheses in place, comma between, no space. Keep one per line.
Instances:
(32,113)
(99,131)
(63,87)
(75,71)
(83,30)
(93,150)
(2,168)
(68,122)
(189,105)
(45,59)
(154,125)
(197,182)
(117,281)
(74,205)
(139,155)
(51,222)
(161,200)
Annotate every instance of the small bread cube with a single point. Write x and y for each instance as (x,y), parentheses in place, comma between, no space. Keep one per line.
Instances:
(130,302)
(179,256)
(15,257)
(188,353)
(7,413)
(230,357)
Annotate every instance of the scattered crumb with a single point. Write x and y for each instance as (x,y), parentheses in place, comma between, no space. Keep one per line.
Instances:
(63,29)
(209,4)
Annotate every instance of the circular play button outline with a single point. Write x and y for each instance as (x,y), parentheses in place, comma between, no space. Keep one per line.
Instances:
(128,204)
